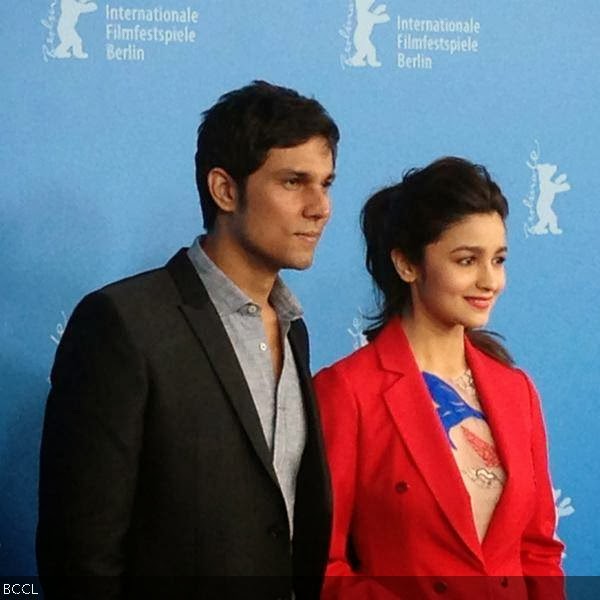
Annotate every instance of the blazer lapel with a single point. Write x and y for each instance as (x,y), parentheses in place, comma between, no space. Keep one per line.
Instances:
(204,320)
(298,337)
(416,419)
(502,399)
(298,342)
(312,509)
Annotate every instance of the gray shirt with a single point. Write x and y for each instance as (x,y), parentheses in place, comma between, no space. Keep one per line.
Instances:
(278,403)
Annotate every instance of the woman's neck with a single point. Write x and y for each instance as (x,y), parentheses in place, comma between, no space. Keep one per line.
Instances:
(437,349)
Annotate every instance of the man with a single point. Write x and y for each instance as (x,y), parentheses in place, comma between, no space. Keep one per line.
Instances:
(181,435)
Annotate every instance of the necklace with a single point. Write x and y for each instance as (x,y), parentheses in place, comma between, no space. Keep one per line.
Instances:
(484,477)
(465,382)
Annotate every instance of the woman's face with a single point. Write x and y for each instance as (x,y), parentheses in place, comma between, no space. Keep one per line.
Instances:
(462,273)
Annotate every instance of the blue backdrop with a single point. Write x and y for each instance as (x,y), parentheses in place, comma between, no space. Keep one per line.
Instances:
(100,107)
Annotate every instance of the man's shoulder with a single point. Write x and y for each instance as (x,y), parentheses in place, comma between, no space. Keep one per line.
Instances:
(153,286)
(145,296)
(150,285)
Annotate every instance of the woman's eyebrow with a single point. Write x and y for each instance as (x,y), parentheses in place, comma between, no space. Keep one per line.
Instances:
(476,249)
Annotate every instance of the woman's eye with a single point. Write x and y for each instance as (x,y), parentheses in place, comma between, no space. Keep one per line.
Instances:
(468,260)
(499,260)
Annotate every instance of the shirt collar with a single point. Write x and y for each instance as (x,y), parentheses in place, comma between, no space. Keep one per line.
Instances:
(227,296)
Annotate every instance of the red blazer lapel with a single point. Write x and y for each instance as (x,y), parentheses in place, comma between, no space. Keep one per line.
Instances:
(414,415)
(503,396)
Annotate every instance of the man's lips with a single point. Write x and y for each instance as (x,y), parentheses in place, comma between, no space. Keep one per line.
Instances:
(309,236)
(479,302)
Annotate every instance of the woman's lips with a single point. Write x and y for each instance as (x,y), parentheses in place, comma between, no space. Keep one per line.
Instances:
(478,302)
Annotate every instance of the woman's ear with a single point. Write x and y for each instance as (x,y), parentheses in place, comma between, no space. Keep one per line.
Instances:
(223,189)
(405,269)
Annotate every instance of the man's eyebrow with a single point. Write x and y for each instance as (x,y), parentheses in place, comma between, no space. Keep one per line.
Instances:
(292,172)
(304,175)
(477,249)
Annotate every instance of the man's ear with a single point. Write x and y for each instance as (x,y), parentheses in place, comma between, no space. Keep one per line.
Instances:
(223,189)
(405,269)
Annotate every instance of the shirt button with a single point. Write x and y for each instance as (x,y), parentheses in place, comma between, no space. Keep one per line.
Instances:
(263,346)
(252,309)
(440,587)
(504,581)
(401,487)
(275,532)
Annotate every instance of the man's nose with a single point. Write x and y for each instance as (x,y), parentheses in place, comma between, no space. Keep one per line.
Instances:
(318,204)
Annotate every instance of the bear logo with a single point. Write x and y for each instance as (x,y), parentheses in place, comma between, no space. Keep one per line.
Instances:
(366,19)
(564,508)
(549,186)
(359,339)
(71,43)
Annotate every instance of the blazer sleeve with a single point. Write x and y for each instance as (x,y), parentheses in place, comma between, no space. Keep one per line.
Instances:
(91,442)
(541,550)
(340,421)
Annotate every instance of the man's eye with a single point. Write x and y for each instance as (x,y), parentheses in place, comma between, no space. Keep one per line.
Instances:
(499,260)
(291,184)
(468,260)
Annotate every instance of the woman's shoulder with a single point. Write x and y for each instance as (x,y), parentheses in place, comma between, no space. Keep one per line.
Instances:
(370,367)
(351,370)
(500,371)
(361,358)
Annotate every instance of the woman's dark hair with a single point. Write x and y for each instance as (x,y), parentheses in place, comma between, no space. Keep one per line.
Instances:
(237,133)
(414,213)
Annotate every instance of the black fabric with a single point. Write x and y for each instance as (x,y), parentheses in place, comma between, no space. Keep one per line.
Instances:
(153,461)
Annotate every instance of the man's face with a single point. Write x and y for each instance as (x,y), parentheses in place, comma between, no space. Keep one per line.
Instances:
(285,206)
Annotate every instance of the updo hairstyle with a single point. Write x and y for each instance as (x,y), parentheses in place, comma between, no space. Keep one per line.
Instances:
(415,212)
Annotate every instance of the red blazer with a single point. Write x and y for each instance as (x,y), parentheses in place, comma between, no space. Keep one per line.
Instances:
(400,506)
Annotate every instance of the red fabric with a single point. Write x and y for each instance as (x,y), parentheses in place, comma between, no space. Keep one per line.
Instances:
(399,501)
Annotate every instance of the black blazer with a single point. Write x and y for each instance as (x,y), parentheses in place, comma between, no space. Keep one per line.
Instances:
(153,460)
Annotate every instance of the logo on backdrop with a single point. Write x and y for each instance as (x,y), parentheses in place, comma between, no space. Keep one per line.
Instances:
(419,43)
(70,43)
(128,33)
(544,185)
(356,331)
(59,330)
(360,29)
(563,507)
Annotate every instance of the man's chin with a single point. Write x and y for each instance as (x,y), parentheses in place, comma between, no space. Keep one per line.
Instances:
(297,267)
(299,264)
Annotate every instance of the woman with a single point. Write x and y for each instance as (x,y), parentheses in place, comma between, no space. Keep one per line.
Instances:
(435,440)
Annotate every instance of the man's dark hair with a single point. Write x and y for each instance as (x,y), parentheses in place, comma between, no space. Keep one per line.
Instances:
(237,133)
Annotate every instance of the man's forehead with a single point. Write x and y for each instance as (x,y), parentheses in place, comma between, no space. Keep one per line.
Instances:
(316,152)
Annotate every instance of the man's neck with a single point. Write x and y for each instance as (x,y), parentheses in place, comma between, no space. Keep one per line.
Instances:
(254,280)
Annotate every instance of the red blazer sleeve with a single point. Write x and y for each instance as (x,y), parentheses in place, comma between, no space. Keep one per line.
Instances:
(340,420)
(541,550)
